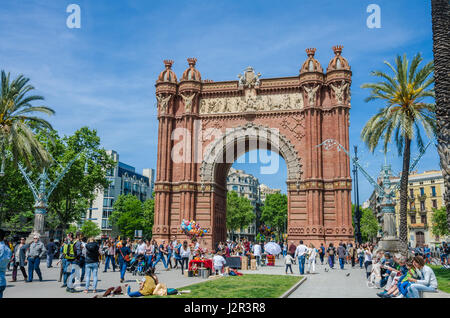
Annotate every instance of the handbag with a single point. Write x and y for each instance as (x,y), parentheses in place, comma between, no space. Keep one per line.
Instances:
(126,257)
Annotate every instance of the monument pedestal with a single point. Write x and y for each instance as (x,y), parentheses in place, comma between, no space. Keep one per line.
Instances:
(38,228)
(390,244)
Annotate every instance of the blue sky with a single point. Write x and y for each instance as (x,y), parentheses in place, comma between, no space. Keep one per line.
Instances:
(103,74)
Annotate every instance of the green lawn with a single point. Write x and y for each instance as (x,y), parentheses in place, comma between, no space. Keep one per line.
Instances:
(247,286)
(443,278)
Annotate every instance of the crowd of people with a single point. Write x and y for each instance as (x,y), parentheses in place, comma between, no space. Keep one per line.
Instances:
(80,260)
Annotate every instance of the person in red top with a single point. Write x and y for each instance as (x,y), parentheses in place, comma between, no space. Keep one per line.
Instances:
(247,247)
(292,249)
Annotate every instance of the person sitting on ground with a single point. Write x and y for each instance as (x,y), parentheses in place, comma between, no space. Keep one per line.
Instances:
(427,281)
(146,286)
(396,273)
(219,262)
(400,289)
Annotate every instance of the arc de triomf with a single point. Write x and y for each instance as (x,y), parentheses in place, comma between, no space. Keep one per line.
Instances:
(289,115)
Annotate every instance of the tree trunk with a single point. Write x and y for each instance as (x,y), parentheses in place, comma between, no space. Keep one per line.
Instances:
(440,14)
(404,196)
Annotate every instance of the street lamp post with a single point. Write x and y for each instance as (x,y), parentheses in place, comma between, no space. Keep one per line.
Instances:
(42,194)
(358,237)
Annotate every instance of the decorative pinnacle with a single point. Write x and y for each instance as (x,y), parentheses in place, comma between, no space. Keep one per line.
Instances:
(192,61)
(168,63)
(311,51)
(338,49)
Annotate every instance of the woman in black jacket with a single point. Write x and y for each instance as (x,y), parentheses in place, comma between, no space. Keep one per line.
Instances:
(92,264)
(19,259)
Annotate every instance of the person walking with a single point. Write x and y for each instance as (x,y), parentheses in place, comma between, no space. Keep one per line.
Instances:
(169,250)
(75,253)
(185,252)
(341,255)
(92,264)
(367,260)
(300,253)
(149,253)
(331,251)
(110,256)
(288,259)
(83,257)
(5,257)
(19,259)
(35,252)
(351,254)
(312,253)
(68,255)
(51,250)
(257,253)
(360,254)
(177,254)
(321,253)
(123,252)
(160,256)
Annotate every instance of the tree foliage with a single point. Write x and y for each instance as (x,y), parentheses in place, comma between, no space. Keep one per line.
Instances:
(240,212)
(18,120)
(439,222)
(274,211)
(90,229)
(406,113)
(369,224)
(130,214)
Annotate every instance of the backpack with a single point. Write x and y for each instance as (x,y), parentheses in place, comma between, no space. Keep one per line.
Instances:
(331,251)
(69,251)
(6,255)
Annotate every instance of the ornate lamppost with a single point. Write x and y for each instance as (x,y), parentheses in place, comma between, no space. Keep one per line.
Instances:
(390,241)
(42,193)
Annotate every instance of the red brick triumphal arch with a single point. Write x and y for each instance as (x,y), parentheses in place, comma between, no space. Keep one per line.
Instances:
(204,126)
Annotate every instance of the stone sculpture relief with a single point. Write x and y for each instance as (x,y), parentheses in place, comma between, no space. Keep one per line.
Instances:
(339,91)
(249,79)
(251,103)
(163,102)
(188,102)
(311,92)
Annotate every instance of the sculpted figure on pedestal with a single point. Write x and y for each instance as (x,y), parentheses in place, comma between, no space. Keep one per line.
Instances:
(188,102)
(311,94)
(339,91)
(163,102)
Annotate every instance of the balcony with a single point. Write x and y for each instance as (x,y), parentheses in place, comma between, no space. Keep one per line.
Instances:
(421,197)
(418,226)
(412,210)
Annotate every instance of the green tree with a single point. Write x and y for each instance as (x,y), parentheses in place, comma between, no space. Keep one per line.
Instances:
(369,224)
(90,229)
(439,221)
(18,120)
(240,212)
(405,115)
(274,212)
(149,216)
(74,194)
(130,214)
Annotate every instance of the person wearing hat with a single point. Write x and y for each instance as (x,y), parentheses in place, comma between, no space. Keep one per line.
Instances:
(35,252)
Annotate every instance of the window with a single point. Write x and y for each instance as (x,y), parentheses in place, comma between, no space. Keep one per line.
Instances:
(422,205)
(420,183)
(235,188)
(432,181)
(422,191)
(411,193)
(413,219)
(433,191)
(434,204)
(423,219)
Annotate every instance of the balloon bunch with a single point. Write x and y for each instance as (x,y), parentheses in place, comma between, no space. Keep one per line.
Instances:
(192,229)
(266,230)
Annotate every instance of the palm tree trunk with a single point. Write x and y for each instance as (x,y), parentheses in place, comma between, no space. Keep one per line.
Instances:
(440,14)
(404,196)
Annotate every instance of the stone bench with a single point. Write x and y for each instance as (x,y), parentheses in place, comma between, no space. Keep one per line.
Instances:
(436,294)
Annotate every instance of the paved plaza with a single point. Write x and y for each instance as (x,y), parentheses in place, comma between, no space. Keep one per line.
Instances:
(325,284)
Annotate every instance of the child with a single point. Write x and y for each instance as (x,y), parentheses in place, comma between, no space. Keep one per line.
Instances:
(288,261)
(403,282)
(146,286)
(218,261)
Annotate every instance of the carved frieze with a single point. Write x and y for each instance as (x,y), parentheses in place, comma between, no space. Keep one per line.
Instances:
(251,102)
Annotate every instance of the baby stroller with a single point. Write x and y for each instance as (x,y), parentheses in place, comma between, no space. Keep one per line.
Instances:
(137,265)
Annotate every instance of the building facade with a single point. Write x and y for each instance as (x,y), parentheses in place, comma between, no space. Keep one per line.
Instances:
(264,190)
(123,180)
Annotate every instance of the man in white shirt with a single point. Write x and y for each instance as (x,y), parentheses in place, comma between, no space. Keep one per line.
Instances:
(219,262)
(257,252)
(140,249)
(300,253)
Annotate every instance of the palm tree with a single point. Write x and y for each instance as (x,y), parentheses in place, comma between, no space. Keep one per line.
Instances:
(405,114)
(17,122)
(440,14)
